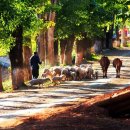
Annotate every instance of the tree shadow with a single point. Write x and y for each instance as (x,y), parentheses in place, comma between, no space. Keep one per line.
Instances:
(82,116)
(117,52)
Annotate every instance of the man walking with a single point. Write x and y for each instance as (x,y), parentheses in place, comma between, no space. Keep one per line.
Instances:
(35,61)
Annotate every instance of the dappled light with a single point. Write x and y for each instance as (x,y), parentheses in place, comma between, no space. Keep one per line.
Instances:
(64,65)
(34,100)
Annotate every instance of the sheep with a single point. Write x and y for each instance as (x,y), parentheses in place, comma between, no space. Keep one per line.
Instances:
(73,75)
(89,71)
(38,81)
(46,70)
(68,67)
(44,75)
(66,72)
(83,65)
(55,79)
(58,79)
(95,75)
(82,73)
(76,70)
(72,72)
(49,75)
(57,71)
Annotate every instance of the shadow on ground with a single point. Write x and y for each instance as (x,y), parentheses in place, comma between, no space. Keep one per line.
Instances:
(81,117)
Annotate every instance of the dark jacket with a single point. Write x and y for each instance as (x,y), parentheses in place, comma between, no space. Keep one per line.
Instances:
(35,61)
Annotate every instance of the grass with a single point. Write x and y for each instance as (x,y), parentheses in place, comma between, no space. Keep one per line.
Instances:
(47,84)
(95,57)
(128,44)
(7,86)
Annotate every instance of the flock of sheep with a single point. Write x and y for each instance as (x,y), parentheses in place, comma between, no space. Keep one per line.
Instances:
(58,74)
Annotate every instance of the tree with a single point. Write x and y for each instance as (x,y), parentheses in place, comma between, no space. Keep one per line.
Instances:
(122,16)
(1,86)
(27,52)
(68,51)
(16,59)
(46,35)
(76,18)
(16,18)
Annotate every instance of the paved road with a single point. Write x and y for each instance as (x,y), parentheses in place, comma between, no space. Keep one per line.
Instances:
(25,103)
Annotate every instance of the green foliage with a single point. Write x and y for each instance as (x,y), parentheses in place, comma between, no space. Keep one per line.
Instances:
(128,44)
(71,18)
(95,57)
(7,86)
(14,13)
(26,14)
(3,51)
(123,13)
(79,17)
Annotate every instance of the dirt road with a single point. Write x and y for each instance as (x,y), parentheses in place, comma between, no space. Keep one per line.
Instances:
(24,103)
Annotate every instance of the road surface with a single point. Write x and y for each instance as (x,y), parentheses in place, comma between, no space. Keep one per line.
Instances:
(25,103)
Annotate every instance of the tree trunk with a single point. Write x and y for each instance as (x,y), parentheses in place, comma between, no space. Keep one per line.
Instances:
(68,51)
(107,39)
(1,86)
(117,37)
(104,39)
(97,46)
(109,35)
(79,52)
(62,50)
(16,59)
(46,39)
(83,50)
(87,44)
(50,46)
(50,38)
(26,58)
(117,32)
(41,42)
(123,37)
(56,52)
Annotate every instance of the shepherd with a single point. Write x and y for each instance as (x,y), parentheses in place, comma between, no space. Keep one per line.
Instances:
(34,62)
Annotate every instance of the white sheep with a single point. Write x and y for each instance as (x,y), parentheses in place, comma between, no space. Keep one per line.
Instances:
(58,79)
(95,75)
(89,71)
(66,72)
(38,81)
(73,75)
